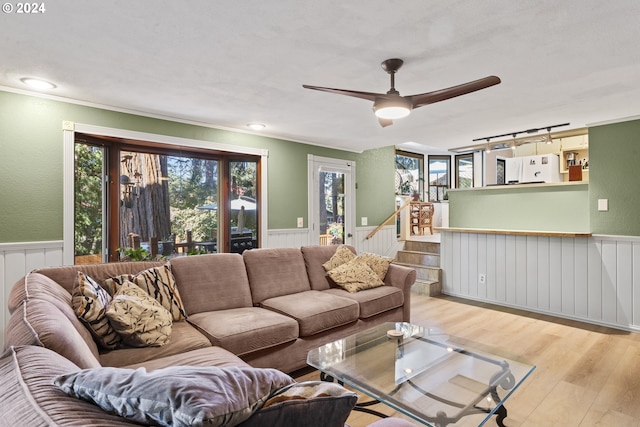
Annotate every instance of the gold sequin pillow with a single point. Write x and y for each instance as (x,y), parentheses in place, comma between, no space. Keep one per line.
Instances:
(342,256)
(139,319)
(161,285)
(379,264)
(90,301)
(355,276)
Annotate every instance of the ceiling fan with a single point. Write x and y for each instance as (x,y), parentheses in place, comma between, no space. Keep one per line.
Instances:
(391,105)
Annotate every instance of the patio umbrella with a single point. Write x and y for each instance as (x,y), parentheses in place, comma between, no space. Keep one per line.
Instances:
(236,205)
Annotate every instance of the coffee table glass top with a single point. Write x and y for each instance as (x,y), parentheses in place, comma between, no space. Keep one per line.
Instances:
(429,376)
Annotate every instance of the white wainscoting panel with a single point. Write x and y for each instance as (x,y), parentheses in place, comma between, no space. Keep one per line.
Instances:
(288,237)
(16,260)
(594,279)
(384,242)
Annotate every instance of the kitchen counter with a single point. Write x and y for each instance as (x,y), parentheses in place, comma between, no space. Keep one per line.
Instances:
(513,232)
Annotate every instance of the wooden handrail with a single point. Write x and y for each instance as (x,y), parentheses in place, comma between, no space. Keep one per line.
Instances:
(387,220)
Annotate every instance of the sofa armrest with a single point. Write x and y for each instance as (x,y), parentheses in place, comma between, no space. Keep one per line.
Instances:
(402,277)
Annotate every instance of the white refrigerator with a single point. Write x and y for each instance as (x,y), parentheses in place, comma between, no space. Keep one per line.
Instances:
(528,169)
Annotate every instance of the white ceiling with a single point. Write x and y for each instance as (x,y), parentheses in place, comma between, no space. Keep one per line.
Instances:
(229,63)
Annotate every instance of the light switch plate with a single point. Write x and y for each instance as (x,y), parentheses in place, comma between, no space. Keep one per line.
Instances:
(300,222)
(364,221)
(603,204)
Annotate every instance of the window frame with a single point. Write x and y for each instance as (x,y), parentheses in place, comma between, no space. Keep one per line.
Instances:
(459,157)
(420,159)
(447,160)
(148,141)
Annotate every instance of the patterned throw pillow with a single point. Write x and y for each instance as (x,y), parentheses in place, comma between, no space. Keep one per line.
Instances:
(90,301)
(161,285)
(355,276)
(139,319)
(342,256)
(308,404)
(379,264)
(113,284)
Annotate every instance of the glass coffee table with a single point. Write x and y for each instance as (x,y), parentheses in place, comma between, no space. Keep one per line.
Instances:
(434,378)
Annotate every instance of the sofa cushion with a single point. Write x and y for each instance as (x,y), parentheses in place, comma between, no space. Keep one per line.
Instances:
(314,257)
(138,318)
(373,301)
(209,356)
(40,323)
(245,330)
(35,286)
(184,337)
(90,301)
(355,276)
(315,311)
(160,284)
(275,272)
(66,275)
(212,282)
(29,398)
(308,404)
(178,395)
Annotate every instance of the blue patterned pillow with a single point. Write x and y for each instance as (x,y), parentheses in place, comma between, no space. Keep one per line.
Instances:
(176,396)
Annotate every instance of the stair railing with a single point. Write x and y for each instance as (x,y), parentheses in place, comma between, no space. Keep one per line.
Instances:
(392,216)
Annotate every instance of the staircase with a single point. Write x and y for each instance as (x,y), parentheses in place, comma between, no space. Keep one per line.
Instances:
(424,257)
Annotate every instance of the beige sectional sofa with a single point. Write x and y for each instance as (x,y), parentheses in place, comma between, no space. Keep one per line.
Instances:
(265,309)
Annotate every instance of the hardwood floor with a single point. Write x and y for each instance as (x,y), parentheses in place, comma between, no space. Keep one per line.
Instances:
(586,375)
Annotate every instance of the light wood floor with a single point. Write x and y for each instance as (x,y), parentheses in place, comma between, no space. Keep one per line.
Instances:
(586,376)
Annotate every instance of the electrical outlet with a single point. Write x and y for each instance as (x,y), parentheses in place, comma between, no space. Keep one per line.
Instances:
(300,222)
(482,279)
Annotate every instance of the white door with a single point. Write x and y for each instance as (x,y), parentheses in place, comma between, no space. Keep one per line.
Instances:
(331,201)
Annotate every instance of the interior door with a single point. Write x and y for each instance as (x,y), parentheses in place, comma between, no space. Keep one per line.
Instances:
(332,207)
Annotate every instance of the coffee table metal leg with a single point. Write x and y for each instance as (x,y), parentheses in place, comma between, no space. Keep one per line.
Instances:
(501,414)
(360,406)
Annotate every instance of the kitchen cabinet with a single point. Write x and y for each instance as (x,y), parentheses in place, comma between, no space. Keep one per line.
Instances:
(574,151)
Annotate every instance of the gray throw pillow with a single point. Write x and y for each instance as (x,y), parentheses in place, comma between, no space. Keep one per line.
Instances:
(178,395)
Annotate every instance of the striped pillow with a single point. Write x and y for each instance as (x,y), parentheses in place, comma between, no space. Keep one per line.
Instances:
(161,285)
(90,301)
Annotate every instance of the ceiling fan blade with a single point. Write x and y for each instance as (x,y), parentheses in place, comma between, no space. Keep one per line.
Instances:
(370,96)
(451,92)
(385,122)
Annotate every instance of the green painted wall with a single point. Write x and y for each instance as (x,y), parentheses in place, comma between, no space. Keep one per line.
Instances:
(614,156)
(31,166)
(522,207)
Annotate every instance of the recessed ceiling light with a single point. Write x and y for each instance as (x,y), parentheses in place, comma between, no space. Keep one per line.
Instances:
(37,83)
(256,126)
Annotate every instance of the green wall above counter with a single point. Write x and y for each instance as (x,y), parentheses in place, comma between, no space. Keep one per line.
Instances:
(533,207)
(614,174)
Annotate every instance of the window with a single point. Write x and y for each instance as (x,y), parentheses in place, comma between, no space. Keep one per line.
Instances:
(439,181)
(188,200)
(464,171)
(409,173)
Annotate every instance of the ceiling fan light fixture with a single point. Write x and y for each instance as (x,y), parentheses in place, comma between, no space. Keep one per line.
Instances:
(392,109)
